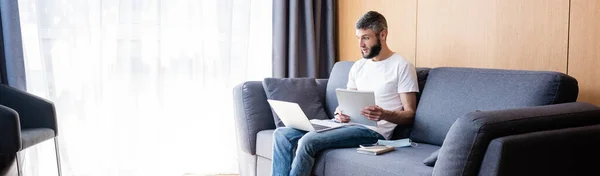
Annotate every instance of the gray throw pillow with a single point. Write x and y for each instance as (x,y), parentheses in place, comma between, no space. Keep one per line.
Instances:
(303,91)
(430,161)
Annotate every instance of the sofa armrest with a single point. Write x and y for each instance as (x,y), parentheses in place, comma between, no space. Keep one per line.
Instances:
(252,114)
(34,112)
(10,131)
(468,138)
(555,152)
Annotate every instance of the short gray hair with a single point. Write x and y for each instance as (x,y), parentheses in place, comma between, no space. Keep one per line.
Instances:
(372,20)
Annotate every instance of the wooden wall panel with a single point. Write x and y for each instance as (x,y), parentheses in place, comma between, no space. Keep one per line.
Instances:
(401,18)
(508,34)
(584,48)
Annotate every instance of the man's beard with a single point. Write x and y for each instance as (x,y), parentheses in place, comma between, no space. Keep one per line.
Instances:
(373,50)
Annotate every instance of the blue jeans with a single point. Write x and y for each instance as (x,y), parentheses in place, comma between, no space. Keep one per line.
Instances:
(294,151)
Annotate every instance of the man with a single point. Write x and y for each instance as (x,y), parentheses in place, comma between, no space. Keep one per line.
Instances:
(394,82)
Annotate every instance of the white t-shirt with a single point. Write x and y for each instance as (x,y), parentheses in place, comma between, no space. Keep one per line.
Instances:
(387,79)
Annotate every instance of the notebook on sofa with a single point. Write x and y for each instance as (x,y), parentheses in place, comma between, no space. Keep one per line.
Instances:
(375,150)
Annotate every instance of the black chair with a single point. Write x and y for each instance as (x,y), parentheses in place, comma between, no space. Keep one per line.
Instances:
(25,120)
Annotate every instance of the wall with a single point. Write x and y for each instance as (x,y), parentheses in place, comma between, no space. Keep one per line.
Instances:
(555,35)
(401,25)
(584,48)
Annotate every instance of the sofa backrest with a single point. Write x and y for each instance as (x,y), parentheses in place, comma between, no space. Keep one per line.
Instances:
(339,78)
(451,93)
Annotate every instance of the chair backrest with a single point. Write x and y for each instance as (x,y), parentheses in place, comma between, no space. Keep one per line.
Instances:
(450,93)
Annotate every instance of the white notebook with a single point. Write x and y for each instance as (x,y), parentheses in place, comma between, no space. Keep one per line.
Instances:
(352,101)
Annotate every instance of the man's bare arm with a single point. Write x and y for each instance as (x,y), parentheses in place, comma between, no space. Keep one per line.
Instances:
(403,116)
(406,116)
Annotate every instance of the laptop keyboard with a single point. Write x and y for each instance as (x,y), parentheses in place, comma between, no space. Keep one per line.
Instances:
(319,127)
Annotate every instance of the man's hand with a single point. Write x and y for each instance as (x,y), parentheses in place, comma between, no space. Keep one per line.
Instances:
(340,117)
(402,115)
(374,113)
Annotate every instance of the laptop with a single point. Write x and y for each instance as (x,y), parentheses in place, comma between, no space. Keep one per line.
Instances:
(292,116)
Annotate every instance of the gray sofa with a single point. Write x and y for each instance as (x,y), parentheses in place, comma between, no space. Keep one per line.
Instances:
(482,121)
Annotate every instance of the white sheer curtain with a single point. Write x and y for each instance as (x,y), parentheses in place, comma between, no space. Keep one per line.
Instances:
(143,87)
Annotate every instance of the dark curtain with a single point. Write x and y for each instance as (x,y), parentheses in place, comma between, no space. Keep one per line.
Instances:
(304,35)
(12,67)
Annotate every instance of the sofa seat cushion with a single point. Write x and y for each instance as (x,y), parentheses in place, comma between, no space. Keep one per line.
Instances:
(402,161)
(264,144)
